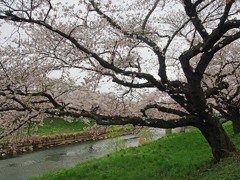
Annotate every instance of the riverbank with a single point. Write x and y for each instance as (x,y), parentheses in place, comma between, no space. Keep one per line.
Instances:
(57,132)
(41,162)
(178,156)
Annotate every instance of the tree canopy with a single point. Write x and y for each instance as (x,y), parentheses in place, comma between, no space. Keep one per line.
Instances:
(151,47)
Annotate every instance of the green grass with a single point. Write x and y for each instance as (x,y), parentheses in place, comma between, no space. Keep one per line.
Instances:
(178,156)
(116,130)
(227,169)
(1,130)
(53,126)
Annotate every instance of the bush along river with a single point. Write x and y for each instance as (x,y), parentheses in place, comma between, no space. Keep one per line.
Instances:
(40,162)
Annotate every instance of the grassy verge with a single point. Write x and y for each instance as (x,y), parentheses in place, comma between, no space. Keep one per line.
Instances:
(227,170)
(116,130)
(178,156)
(53,126)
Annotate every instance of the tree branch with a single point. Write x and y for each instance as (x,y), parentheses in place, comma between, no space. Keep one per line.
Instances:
(192,14)
(149,14)
(163,109)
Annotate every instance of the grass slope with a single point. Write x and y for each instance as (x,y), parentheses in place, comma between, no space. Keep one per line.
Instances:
(60,126)
(178,156)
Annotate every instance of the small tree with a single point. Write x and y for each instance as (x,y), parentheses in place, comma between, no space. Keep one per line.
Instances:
(136,44)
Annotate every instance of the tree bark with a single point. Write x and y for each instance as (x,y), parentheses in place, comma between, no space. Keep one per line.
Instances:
(235,118)
(236,124)
(218,140)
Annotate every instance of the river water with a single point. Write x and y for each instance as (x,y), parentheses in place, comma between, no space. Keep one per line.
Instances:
(38,163)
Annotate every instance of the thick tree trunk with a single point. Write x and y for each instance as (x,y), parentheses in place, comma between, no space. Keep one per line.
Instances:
(235,118)
(218,140)
(236,124)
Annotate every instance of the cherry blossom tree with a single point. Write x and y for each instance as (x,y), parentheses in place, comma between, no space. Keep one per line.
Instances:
(227,75)
(24,89)
(28,95)
(138,45)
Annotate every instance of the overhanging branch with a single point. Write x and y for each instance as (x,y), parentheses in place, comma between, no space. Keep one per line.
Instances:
(163,109)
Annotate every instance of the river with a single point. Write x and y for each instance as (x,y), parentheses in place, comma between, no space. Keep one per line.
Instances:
(40,162)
